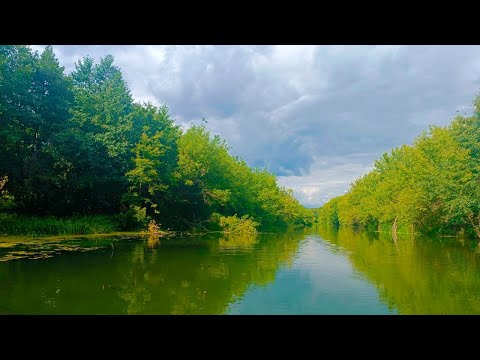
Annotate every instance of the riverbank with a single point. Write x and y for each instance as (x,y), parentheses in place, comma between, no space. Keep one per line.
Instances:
(14,228)
(23,226)
(34,226)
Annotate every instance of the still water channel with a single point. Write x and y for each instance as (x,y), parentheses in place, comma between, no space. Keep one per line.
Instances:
(310,272)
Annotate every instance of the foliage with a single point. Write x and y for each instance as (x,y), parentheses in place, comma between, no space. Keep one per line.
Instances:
(11,224)
(6,200)
(213,181)
(134,218)
(432,186)
(153,227)
(77,144)
(238,226)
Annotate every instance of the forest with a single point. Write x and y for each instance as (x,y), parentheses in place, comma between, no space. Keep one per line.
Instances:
(430,187)
(76,152)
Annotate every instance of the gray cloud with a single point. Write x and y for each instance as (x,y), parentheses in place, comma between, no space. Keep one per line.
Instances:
(302,111)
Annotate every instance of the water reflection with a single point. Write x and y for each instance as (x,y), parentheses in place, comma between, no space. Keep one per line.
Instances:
(238,242)
(318,271)
(415,275)
(144,275)
(153,241)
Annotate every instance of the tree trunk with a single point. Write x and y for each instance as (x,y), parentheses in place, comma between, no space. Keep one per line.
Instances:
(476,227)
(394,230)
(394,226)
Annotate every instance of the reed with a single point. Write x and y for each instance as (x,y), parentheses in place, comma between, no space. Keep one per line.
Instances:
(11,224)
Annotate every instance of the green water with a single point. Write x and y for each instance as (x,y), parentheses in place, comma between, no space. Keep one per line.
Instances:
(311,272)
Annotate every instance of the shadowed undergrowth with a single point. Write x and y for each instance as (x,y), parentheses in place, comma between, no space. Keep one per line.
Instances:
(20,225)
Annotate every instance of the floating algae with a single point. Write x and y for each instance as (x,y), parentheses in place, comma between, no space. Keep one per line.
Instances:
(34,250)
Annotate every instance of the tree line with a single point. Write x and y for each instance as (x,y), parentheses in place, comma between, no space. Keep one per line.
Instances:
(430,187)
(78,144)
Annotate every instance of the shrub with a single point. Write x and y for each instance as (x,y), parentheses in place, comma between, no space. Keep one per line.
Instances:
(11,224)
(236,225)
(134,218)
(153,227)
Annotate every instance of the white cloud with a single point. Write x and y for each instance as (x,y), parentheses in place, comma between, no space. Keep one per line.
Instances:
(327,177)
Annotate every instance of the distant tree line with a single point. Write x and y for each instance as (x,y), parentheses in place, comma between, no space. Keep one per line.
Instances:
(78,144)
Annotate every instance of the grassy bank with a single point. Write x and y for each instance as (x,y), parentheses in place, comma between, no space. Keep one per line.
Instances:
(13,225)
(20,225)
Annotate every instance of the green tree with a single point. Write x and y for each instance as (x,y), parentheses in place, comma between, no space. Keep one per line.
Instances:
(35,100)
(152,178)
(431,186)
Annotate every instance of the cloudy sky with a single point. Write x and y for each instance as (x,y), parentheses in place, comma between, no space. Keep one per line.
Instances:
(316,116)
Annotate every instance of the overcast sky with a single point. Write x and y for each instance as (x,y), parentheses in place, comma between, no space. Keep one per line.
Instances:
(316,116)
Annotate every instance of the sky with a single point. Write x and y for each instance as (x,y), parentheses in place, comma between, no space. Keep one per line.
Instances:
(315,116)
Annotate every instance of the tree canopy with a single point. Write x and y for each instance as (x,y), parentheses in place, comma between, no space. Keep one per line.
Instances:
(431,186)
(78,144)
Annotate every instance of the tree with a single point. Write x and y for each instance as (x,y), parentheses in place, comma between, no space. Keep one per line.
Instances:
(431,186)
(35,98)
(152,176)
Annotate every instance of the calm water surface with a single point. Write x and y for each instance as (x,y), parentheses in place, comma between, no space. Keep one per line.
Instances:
(312,272)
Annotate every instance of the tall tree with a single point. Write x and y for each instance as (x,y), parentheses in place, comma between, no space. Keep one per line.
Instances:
(102,116)
(35,100)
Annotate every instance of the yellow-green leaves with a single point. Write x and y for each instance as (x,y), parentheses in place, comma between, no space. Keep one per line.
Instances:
(430,186)
(238,226)
(220,182)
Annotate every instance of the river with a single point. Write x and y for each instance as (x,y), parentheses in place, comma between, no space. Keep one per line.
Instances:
(310,272)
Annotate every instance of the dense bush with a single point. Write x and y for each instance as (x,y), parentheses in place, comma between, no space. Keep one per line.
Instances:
(238,226)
